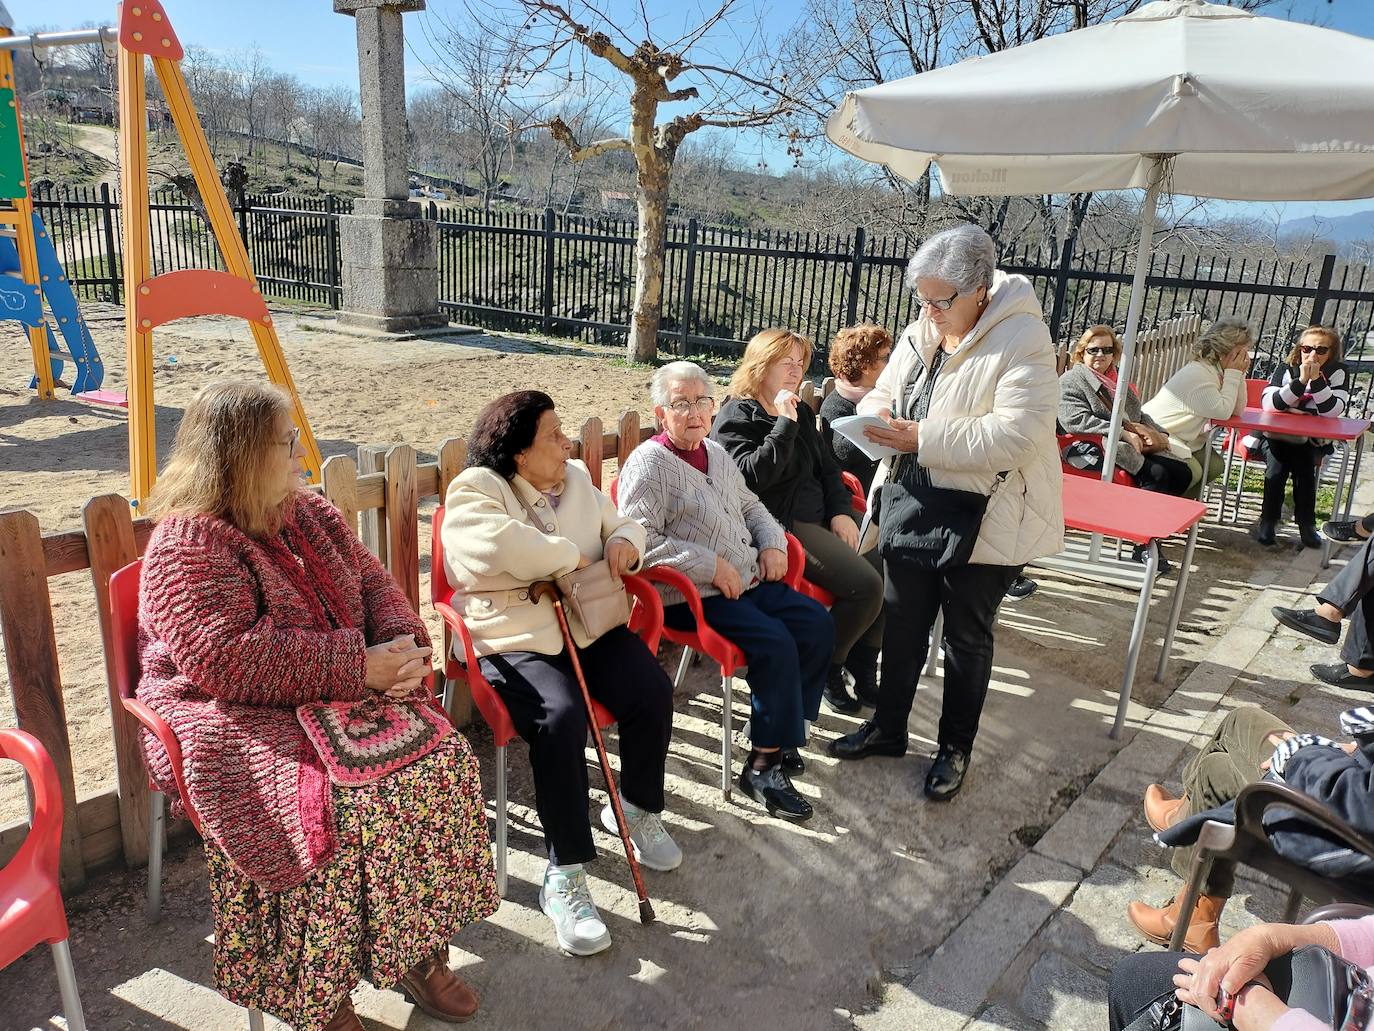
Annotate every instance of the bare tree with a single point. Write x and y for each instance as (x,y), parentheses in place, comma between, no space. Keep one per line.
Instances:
(331,118)
(282,96)
(724,64)
(251,72)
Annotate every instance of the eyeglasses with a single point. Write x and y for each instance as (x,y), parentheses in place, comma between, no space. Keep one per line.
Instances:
(938,303)
(703,405)
(1315,349)
(292,442)
(1099,350)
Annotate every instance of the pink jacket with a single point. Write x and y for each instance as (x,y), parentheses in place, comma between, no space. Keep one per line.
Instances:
(230,644)
(1357,945)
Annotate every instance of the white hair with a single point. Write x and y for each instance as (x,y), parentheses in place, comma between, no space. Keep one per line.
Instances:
(661,386)
(963,255)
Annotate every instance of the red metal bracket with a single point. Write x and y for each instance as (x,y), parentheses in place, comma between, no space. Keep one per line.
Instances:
(145,29)
(197,291)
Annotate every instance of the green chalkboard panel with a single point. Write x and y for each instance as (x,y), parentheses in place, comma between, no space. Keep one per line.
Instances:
(12,178)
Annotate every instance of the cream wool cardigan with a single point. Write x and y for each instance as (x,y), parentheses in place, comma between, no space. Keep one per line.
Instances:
(1195,394)
(494,553)
(993,411)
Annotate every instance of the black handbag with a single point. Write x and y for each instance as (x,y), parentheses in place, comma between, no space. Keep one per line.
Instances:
(929,527)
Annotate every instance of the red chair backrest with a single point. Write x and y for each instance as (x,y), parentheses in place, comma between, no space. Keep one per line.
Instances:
(40,854)
(124,624)
(1119,476)
(857,489)
(1254,392)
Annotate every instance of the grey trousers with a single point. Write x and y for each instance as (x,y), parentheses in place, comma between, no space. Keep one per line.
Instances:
(855,582)
(1352,591)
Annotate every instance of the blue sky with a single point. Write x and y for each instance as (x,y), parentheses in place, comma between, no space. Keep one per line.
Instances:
(307,38)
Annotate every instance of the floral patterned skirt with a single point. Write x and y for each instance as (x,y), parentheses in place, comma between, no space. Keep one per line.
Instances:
(413,868)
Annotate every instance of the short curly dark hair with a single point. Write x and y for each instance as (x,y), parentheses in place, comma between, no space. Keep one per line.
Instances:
(855,348)
(504,428)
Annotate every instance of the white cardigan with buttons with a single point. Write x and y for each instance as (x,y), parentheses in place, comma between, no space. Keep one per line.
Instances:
(494,553)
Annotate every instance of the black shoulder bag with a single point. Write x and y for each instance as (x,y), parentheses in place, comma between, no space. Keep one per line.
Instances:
(923,525)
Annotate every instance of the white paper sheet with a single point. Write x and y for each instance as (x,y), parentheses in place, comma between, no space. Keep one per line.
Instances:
(852,427)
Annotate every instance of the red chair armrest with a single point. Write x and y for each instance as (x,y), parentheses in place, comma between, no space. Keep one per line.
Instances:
(158,727)
(646,617)
(796,563)
(712,643)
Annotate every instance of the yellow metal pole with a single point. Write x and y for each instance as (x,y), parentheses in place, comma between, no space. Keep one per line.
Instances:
(133,191)
(23,239)
(230,243)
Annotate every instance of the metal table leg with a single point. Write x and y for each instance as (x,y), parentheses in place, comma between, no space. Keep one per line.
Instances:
(1142,613)
(1205,490)
(1176,610)
(1226,483)
(1349,489)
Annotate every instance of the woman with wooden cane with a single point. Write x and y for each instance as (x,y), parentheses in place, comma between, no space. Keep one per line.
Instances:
(521,514)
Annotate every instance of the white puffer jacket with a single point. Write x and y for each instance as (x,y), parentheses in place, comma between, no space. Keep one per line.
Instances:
(993,411)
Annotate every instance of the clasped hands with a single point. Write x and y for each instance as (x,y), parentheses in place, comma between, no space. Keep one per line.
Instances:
(398,667)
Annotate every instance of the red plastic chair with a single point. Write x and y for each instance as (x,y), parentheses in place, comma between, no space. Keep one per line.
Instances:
(646,620)
(857,489)
(1119,475)
(31,910)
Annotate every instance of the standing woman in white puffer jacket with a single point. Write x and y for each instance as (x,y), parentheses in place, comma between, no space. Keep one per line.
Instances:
(969,397)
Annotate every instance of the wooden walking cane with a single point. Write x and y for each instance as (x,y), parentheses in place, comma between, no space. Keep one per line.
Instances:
(537,591)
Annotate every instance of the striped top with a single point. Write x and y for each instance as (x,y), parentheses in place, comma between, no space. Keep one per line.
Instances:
(1327,394)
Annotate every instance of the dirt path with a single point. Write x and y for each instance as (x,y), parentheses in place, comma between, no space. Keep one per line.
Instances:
(796,927)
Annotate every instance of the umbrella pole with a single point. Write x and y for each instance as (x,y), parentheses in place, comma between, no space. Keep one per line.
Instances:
(1148,216)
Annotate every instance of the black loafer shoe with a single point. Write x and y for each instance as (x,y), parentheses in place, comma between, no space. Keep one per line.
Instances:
(1142,552)
(946,775)
(1309,536)
(1338,674)
(1342,530)
(1264,534)
(1305,621)
(1022,588)
(836,694)
(772,789)
(792,761)
(868,740)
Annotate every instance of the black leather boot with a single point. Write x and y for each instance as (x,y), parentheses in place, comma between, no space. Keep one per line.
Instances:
(868,740)
(946,774)
(863,667)
(1264,532)
(836,693)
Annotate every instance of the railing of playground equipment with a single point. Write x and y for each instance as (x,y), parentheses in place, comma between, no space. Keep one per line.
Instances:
(380,491)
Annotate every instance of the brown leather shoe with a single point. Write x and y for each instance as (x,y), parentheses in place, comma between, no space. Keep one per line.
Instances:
(438,991)
(344,1018)
(1163,810)
(1158,924)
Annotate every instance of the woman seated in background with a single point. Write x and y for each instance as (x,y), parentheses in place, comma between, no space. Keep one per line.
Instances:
(702,520)
(1250,744)
(257,597)
(857,355)
(1256,967)
(1087,392)
(1312,381)
(774,439)
(1211,386)
(521,512)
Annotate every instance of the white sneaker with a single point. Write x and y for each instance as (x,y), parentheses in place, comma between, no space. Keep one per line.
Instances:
(653,846)
(566,899)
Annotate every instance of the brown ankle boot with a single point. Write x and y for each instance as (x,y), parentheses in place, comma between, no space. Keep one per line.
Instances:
(1163,810)
(1158,924)
(344,1018)
(438,991)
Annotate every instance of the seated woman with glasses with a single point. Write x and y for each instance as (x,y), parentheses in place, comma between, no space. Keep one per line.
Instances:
(701,519)
(1312,381)
(777,443)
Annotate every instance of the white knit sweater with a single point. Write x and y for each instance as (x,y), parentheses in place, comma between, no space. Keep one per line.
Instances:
(690,518)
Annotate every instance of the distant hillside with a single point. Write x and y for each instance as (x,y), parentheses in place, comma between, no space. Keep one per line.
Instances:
(1342,230)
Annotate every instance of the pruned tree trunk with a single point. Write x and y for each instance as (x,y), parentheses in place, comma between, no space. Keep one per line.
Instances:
(651,197)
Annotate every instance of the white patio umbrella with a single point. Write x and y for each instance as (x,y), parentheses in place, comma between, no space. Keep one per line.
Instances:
(1185,96)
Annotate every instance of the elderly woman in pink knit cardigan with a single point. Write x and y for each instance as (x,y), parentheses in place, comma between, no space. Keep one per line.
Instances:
(257,597)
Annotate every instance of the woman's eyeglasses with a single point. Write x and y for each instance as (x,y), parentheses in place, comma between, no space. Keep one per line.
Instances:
(1321,349)
(292,442)
(938,303)
(1099,350)
(703,405)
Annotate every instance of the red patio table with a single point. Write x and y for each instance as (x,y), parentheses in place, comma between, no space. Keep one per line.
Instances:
(1143,517)
(1321,427)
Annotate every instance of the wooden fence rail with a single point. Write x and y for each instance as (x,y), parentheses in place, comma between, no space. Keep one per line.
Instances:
(109,825)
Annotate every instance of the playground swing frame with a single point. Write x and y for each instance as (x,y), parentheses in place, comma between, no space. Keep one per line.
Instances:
(145,33)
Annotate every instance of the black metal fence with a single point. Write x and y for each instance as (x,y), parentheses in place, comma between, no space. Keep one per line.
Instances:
(573,275)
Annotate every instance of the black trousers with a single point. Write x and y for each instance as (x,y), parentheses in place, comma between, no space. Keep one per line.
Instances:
(1282,460)
(1352,591)
(969,596)
(1159,472)
(1140,979)
(545,705)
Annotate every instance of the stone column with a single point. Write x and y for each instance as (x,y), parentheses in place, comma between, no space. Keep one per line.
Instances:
(390,254)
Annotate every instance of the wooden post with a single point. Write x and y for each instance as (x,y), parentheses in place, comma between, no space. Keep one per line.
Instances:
(453,455)
(31,659)
(627,439)
(340,476)
(402,521)
(137,267)
(372,521)
(591,448)
(110,544)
